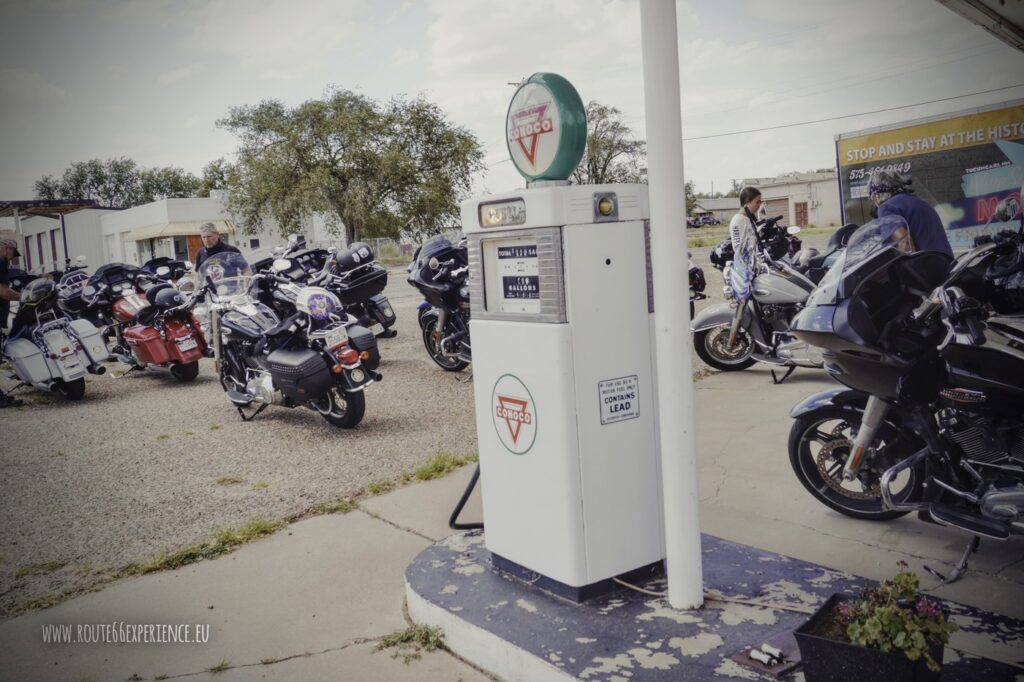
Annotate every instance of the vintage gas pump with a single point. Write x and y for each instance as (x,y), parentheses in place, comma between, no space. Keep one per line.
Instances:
(562,359)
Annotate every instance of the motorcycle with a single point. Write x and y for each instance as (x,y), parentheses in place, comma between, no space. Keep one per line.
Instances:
(440,271)
(304,360)
(49,351)
(353,275)
(932,357)
(766,284)
(697,283)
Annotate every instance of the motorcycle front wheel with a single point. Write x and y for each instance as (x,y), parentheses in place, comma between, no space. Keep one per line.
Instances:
(448,364)
(712,346)
(346,409)
(820,443)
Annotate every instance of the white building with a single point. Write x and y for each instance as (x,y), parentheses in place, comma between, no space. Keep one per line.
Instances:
(804,199)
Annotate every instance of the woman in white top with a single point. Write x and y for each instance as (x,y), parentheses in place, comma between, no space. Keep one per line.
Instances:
(742,225)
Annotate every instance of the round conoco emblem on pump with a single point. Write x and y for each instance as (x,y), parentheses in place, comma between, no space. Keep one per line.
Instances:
(546,128)
(514,414)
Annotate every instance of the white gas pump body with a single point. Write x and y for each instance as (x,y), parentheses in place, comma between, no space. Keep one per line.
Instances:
(564,374)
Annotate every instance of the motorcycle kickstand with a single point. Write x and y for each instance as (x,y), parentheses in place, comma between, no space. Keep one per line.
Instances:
(961,566)
(790,370)
(466,379)
(251,416)
(133,368)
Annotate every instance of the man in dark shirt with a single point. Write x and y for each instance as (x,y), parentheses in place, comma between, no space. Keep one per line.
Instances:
(891,193)
(211,244)
(8,251)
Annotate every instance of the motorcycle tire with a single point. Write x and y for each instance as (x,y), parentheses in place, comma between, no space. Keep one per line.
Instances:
(710,345)
(185,373)
(821,472)
(348,411)
(72,390)
(429,324)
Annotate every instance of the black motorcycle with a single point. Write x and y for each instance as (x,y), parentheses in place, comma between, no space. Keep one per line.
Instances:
(306,359)
(933,358)
(353,275)
(440,271)
(166,268)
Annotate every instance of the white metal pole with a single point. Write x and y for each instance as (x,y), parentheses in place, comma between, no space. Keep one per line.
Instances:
(671,316)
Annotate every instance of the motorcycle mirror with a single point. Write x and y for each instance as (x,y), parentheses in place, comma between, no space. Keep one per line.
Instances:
(293,239)
(793,229)
(434,263)
(163,271)
(282,264)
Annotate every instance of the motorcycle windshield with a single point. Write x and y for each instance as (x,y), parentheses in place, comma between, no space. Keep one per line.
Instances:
(229,272)
(889,232)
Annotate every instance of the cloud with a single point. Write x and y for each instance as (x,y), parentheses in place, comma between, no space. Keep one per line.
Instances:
(26,92)
(180,74)
(283,41)
(403,56)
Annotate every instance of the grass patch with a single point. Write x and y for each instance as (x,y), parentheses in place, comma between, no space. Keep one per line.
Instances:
(220,667)
(214,427)
(59,453)
(260,485)
(41,567)
(342,505)
(41,400)
(270,661)
(229,479)
(43,601)
(409,643)
(163,436)
(89,569)
(161,677)
(441,464)
(189,433)
(378,487)
(221,543)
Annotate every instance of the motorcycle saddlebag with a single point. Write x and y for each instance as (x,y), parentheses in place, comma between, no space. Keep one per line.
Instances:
(362,284)
(300,374)
(28,361)
(147,345)
(362,339)
(91,339)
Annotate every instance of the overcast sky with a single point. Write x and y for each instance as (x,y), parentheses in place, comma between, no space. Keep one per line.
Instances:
(148,79)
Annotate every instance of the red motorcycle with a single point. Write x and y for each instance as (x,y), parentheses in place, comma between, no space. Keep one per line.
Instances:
(151,320)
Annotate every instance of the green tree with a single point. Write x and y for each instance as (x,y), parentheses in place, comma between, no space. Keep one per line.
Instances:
(691,197)
(216,175)
(379,170)
(117,183)
(613,153)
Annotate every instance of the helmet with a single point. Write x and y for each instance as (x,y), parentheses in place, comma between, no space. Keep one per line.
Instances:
(37,291)
(885,183)
(166,298)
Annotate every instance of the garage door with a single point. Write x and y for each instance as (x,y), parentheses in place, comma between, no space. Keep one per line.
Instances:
(778,207)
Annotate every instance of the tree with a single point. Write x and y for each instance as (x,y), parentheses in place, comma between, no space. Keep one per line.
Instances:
(117,183)
(691,197)
(378,170)
(216,175)
(613,153)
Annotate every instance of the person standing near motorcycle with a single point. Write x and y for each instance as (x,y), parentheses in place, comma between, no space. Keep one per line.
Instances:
(743,224)
(8,251)
(892,194)
(212,244)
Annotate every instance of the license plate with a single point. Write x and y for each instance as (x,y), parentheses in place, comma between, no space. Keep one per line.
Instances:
(336,337)
(188,343)
(377,329)
(70,361)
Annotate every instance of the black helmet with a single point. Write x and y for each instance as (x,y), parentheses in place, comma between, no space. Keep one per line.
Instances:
(37,291)
(167,297)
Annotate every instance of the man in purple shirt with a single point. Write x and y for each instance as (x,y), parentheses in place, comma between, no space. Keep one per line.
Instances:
(892,194)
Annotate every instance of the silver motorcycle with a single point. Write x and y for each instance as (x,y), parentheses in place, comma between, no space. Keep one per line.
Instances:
(765,287)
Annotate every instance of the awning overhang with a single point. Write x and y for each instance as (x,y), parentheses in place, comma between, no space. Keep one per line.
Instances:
(178,229)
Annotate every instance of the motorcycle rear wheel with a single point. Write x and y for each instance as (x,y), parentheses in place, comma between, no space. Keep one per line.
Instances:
(72,390)
(821,470)
(448,364)
(712,347)
(185,373)
(347,409)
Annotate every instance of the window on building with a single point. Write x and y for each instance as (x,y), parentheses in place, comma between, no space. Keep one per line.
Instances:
(254,243)
(53,244)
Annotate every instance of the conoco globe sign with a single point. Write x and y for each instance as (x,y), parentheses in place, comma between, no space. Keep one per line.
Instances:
(546,128)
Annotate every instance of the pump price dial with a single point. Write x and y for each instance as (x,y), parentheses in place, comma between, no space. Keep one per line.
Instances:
(503,213)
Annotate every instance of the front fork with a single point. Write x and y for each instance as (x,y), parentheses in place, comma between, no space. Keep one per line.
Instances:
(215,333)
(874,413)
(737,320)
(442,321)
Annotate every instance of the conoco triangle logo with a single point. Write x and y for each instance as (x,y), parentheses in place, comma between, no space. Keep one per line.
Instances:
(527,126)
(515,414)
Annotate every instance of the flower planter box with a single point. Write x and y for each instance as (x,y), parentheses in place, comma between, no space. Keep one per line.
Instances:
(829,660)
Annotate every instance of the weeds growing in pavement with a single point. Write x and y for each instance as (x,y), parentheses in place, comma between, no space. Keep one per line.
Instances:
(229,479)
(214,427)
(342,505)
(41,567)
(220,667)
(441,464)
(260,485)
(163,436)
(409,643)
(220,544)
(378,487)
(43,601)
